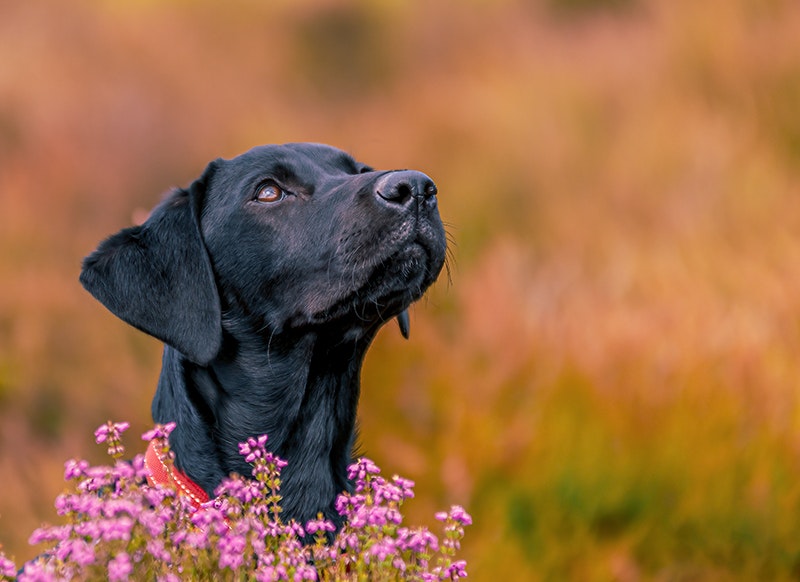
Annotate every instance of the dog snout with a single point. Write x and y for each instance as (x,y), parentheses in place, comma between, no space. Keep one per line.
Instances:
(401,187)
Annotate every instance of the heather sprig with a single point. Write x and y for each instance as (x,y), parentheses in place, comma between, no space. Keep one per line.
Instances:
(118,527)
(111,432)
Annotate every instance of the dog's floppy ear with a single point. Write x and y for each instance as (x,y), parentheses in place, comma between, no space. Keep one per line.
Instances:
(158,276)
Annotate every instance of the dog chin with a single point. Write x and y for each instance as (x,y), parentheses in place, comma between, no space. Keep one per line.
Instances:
(393,285)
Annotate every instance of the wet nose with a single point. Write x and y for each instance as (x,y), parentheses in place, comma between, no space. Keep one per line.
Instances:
(402,186)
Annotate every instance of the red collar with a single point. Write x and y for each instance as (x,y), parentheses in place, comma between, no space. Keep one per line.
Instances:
(161,473)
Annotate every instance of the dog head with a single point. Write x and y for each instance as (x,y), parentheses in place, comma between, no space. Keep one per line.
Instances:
(290,237)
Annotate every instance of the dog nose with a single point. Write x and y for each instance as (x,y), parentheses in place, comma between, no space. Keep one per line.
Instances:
(401,186)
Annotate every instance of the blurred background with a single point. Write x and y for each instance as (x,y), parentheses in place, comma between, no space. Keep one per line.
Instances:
(609,383)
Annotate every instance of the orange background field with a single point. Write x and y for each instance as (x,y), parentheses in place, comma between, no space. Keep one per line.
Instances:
(609,383)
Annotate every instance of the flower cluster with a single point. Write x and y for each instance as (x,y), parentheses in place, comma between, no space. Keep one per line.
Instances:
(118,527)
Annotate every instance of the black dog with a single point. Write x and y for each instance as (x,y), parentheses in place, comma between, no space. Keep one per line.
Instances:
(267,279)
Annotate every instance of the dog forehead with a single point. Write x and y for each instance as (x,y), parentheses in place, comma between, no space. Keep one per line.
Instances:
(296,155)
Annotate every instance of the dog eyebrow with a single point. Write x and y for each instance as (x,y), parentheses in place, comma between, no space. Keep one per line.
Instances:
(349,164)
(283,173)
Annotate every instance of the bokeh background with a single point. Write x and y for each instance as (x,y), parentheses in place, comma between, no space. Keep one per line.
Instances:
(608,383)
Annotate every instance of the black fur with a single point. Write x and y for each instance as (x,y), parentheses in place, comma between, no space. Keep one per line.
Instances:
(267,308)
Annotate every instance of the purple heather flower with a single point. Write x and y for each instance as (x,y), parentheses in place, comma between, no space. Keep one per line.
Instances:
(156,496)
(97,478)
(348,503)
(383,548)
(38,571)
(406,486)
(178,537)
(348,540)
(77,551)
(119,568)
(359,471)
(123,470)
(140,470)
(295,528)
(273,459)
(153,523)
(231,550)
(418,540)
(457,570)
(316,525)
(253,448)
(271,573)
(399,564)
(110,431)
(49,533)
(74,469)
(244,532)
(244,490)
(210,519)
(197,539)
(159,431)
(87,529)
(384,491)
(305,572)
(7,567)
(88,505)
(292,552)
(115,507)
(155,547)
(458,514)
(273,529)
(116,529)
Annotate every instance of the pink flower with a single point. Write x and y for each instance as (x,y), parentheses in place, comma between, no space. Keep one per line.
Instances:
(316,525)
(49,534)
(253,448)
(120,567)
(231,550)
(155,548)
(38,571)
(7,567)
(116,529)
(244,490)
(271,573)
(110,430)
(139,468)
(73,469)
(159,431)
(458,514)
(111,508)
(305,572)
(457,570)
(360,470)
(383,549)
(77,551)
(418,540)
(406,486)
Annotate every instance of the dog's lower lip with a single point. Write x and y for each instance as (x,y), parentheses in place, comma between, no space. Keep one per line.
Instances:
(395,283)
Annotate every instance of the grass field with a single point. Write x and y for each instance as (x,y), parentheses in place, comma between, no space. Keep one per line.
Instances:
(608,383)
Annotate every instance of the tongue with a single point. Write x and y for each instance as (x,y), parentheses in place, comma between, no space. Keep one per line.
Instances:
(404,323)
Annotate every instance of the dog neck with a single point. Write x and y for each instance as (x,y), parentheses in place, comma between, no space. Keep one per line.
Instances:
(300,389)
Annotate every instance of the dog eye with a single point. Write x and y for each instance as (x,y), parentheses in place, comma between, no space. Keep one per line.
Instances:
(270,193)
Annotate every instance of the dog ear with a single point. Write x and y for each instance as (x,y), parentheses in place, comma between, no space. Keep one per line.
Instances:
(158,276)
